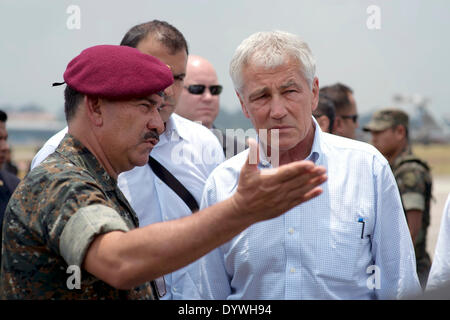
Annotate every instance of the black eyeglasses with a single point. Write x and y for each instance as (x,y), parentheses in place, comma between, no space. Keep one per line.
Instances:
(200,88)
(354,117)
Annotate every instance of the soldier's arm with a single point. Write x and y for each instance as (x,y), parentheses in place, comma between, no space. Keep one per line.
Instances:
(412,185)
(414,218)
(127,259)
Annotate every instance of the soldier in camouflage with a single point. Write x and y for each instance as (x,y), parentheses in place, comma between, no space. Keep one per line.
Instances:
(37,245)
(68,200)
(389,129)
(68,211)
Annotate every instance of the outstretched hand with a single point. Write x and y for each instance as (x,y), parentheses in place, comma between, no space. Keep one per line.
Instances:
(268,193)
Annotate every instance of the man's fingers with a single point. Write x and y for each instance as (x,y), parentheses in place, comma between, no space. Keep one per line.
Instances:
(286,171)
(292,193)
(307,190)
(301,172)
(311,194)
(315,173)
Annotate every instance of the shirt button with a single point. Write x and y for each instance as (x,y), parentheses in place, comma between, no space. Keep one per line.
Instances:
(292,270)
(291,230)
(174,289)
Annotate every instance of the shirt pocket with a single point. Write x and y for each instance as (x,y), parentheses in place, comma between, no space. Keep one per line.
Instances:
(346,245)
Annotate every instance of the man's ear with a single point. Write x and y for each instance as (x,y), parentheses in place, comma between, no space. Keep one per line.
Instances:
(244,109)
(400,132)
(315,91)
(94,110)
(324,123)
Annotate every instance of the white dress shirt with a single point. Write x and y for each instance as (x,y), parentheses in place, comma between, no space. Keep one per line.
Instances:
(48,148)
(351,242)
(190,152)
(440,269)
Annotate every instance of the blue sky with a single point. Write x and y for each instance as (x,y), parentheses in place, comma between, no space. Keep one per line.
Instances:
(409,54)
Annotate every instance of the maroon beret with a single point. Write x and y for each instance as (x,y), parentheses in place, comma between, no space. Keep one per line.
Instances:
(117,72)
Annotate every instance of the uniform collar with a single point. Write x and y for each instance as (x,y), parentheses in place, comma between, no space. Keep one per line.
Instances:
(404,153)
(76,153)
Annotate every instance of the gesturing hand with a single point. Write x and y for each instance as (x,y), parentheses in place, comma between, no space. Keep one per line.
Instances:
(265,194)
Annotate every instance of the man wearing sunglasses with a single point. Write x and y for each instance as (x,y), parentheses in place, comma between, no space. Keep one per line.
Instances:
(199,101)
(346,121)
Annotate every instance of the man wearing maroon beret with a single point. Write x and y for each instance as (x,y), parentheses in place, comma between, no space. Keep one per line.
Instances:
(70,233)
(188,151)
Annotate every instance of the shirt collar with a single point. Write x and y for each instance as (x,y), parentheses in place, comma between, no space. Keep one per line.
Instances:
(314,155)
(316,149)
(75,152)
(174,130)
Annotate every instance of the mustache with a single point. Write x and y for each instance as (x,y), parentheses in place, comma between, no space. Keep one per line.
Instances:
(153,134)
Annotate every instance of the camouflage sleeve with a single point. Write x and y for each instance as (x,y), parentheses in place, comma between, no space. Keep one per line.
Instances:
(76,198)
(411,180)
(83,227)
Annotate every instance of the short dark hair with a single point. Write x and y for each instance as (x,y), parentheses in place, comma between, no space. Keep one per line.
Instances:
(164,32)
(72,98)
(326,107)
(338,93)
(3,116)
(167,34)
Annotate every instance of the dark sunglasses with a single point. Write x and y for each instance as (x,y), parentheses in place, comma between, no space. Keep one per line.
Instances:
(200,88)
(354,117)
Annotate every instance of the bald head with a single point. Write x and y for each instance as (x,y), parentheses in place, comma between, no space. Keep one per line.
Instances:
(195,62)
(195,104)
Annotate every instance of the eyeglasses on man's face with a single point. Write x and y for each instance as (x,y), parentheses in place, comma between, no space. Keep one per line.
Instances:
(353,117)
(200,88)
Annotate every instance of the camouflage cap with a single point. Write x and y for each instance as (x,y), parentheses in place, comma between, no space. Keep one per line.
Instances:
(387,118)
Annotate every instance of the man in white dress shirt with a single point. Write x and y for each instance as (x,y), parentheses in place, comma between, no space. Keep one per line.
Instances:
(199,101)
(351,242)
(188,150)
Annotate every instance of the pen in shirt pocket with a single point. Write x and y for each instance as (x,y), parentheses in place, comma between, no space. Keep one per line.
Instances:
(361,220)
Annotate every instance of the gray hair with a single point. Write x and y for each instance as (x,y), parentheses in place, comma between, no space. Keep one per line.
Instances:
(271,49)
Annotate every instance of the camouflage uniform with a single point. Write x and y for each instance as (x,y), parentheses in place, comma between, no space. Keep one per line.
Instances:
(51,220)
(415,183)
